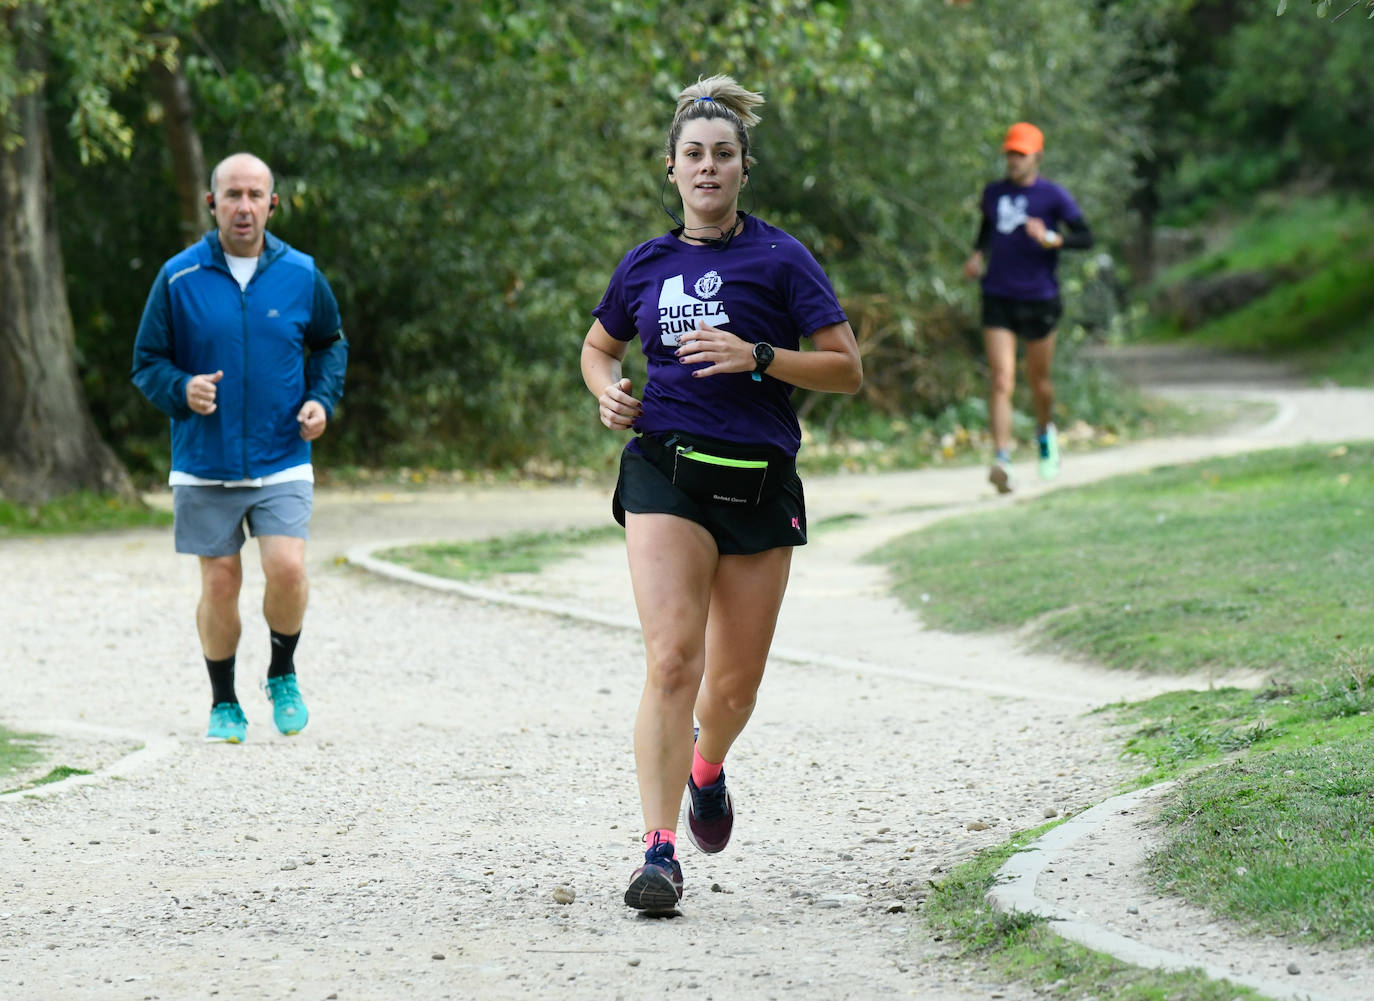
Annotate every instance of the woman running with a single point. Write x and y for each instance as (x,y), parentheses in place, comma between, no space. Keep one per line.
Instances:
(708,489)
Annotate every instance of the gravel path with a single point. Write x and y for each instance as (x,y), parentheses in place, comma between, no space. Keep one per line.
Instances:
(468,767)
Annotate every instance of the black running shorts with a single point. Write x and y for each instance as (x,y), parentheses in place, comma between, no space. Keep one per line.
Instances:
(1029,319)
(738,530)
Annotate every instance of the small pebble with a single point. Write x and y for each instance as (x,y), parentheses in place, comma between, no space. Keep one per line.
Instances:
(976,825)
(1293,969)
(634,961)
(1050,812)
(1133,909)
(437,955)
(563,895)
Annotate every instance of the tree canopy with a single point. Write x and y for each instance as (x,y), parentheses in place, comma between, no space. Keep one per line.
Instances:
(469,174)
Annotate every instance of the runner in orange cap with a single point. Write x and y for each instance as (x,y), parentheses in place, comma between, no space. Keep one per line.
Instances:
(1026,220)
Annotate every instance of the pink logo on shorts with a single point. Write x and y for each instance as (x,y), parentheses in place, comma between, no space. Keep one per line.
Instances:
(796,524)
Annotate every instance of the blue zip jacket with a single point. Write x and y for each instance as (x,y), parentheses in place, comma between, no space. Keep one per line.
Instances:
(197,321)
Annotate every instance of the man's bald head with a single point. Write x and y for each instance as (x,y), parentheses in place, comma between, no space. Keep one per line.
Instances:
(241,198)
(244,160)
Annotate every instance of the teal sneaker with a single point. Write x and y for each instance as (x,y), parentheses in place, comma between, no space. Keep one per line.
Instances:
(288,708)
(1049,453)
(227,724)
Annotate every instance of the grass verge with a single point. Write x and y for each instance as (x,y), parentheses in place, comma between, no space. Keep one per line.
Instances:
(1259,562)
(77,512)
(1319,312)
(525,552)
(1024,947)
(1225,564)
(18,752)
(1280,841)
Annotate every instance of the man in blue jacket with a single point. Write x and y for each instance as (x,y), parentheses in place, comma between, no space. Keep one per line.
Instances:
(241,345)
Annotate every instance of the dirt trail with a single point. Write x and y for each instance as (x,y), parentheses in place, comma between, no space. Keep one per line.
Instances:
(465,758)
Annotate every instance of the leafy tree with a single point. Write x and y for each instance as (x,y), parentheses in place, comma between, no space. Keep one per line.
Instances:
(48,443)
(1324,7)
(469,174)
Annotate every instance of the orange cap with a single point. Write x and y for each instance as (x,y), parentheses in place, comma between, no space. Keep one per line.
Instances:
(1023,137)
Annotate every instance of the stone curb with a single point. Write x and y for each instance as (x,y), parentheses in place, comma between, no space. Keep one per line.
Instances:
(151,750)
(363,558)
(1015,891)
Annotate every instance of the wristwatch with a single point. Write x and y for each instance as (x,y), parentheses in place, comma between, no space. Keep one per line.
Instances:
(763,356)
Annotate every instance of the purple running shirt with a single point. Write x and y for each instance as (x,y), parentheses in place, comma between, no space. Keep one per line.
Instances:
(764,287)
(1018,267)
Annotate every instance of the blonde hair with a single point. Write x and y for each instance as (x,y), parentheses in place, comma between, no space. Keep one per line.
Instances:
(717,96)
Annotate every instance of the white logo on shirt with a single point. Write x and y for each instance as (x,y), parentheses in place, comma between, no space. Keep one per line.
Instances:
(1011,212)
(708,285)
(679,313)
(271,313)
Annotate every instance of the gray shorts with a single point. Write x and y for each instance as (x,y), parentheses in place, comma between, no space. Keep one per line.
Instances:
(209,520)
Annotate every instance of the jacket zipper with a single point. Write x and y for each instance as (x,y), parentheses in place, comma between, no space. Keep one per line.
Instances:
(243,320)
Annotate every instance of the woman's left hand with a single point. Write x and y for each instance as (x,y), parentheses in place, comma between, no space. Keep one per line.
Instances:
(719,350)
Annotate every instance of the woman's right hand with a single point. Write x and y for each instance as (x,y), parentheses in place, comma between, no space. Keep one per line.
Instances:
(618,407)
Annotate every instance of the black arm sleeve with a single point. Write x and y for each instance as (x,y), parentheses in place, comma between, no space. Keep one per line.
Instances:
(984,237)
(1078,235)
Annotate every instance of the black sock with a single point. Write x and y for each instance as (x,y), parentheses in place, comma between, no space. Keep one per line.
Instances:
(283,650)
(221,680)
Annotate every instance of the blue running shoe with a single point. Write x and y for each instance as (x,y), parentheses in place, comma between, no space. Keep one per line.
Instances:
(227,723)
(710,815)
(656,886)
(288,708)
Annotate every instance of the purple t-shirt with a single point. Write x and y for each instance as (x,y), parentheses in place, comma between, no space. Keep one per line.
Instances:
(764,287)
(1018,267)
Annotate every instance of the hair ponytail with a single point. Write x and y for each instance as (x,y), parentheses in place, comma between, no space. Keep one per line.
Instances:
(717,96)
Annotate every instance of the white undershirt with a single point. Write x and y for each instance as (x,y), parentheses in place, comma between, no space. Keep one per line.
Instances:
(242,268)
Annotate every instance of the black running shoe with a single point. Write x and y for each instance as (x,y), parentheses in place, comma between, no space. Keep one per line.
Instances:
(710,815)
(656,885)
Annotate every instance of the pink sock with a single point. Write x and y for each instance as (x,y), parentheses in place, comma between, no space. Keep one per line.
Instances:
(656,838)
(704,772)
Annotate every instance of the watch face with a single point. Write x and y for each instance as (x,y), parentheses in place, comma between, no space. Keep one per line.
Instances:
(763,353)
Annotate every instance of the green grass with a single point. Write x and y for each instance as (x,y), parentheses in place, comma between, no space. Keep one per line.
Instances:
(1321,314)
(18,752)
(526,552)
(77,512)
(54,775)
(1283,233)
(1174,733)
(1280,841)
(1259,562)
(1024,947)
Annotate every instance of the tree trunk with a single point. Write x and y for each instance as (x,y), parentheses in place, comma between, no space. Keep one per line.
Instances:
(188,158)
(48,443)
